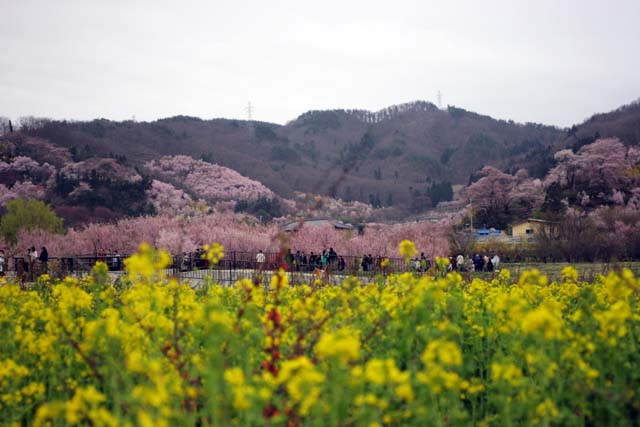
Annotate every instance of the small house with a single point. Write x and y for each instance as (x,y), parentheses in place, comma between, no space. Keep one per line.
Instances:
(528,229)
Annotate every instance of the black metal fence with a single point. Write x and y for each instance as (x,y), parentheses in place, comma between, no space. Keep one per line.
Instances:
(238,265)
(234,266)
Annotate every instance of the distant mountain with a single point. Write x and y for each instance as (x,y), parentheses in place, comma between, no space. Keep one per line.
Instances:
(394,156)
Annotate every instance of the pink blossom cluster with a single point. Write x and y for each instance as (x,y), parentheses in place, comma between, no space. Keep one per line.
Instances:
(235,232)
(24,189)
(606,163)
(377,239)
(501,192)
(169,200)
(103,167)
(205,180)
(26,165)
(175,234)
(325,206)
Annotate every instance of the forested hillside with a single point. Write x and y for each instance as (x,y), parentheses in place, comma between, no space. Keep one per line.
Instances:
(405,156)
(390,157)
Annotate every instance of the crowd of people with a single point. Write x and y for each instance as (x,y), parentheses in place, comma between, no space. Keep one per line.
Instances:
(300,261)
(420,264)
(31,265)
(35,263)
(328,259)
(476,263)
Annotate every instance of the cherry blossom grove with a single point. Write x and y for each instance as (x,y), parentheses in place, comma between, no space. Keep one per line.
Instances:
(208,181)
(602,168)
(235,232)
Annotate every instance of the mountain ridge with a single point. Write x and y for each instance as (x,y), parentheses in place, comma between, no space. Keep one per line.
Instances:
(395,154)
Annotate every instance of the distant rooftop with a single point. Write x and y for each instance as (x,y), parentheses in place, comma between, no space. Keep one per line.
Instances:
(316,222)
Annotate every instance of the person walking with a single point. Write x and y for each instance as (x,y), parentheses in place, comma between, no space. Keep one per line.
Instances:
(44,258)
(118,261)
(333,256)
(298,260)
(477,263)
(415,264)
(495,261)
(33,254)
(423,263)
(3,263)
(288,259)
(312,261)
(184,264)
(260,259)
(32,257)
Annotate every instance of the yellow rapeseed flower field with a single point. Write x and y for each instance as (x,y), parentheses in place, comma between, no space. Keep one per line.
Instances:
(402,351)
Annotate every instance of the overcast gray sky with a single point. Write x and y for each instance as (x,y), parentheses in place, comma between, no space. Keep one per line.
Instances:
(550,61)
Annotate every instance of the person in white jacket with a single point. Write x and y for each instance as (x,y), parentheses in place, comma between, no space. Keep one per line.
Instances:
(33,254)
(495,261)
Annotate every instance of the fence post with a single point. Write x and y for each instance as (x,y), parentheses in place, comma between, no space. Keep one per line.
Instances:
(232,267)
(175,265)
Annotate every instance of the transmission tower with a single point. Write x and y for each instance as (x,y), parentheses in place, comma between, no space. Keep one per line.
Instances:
(439,99)
(249,111)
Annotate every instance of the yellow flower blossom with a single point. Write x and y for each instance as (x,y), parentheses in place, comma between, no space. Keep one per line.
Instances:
(407,249)
(546,319)
(280,279)
(241,391)
(507,372)
(343,345)
(147,263)
(547,409)
(213,252)
(569,274)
